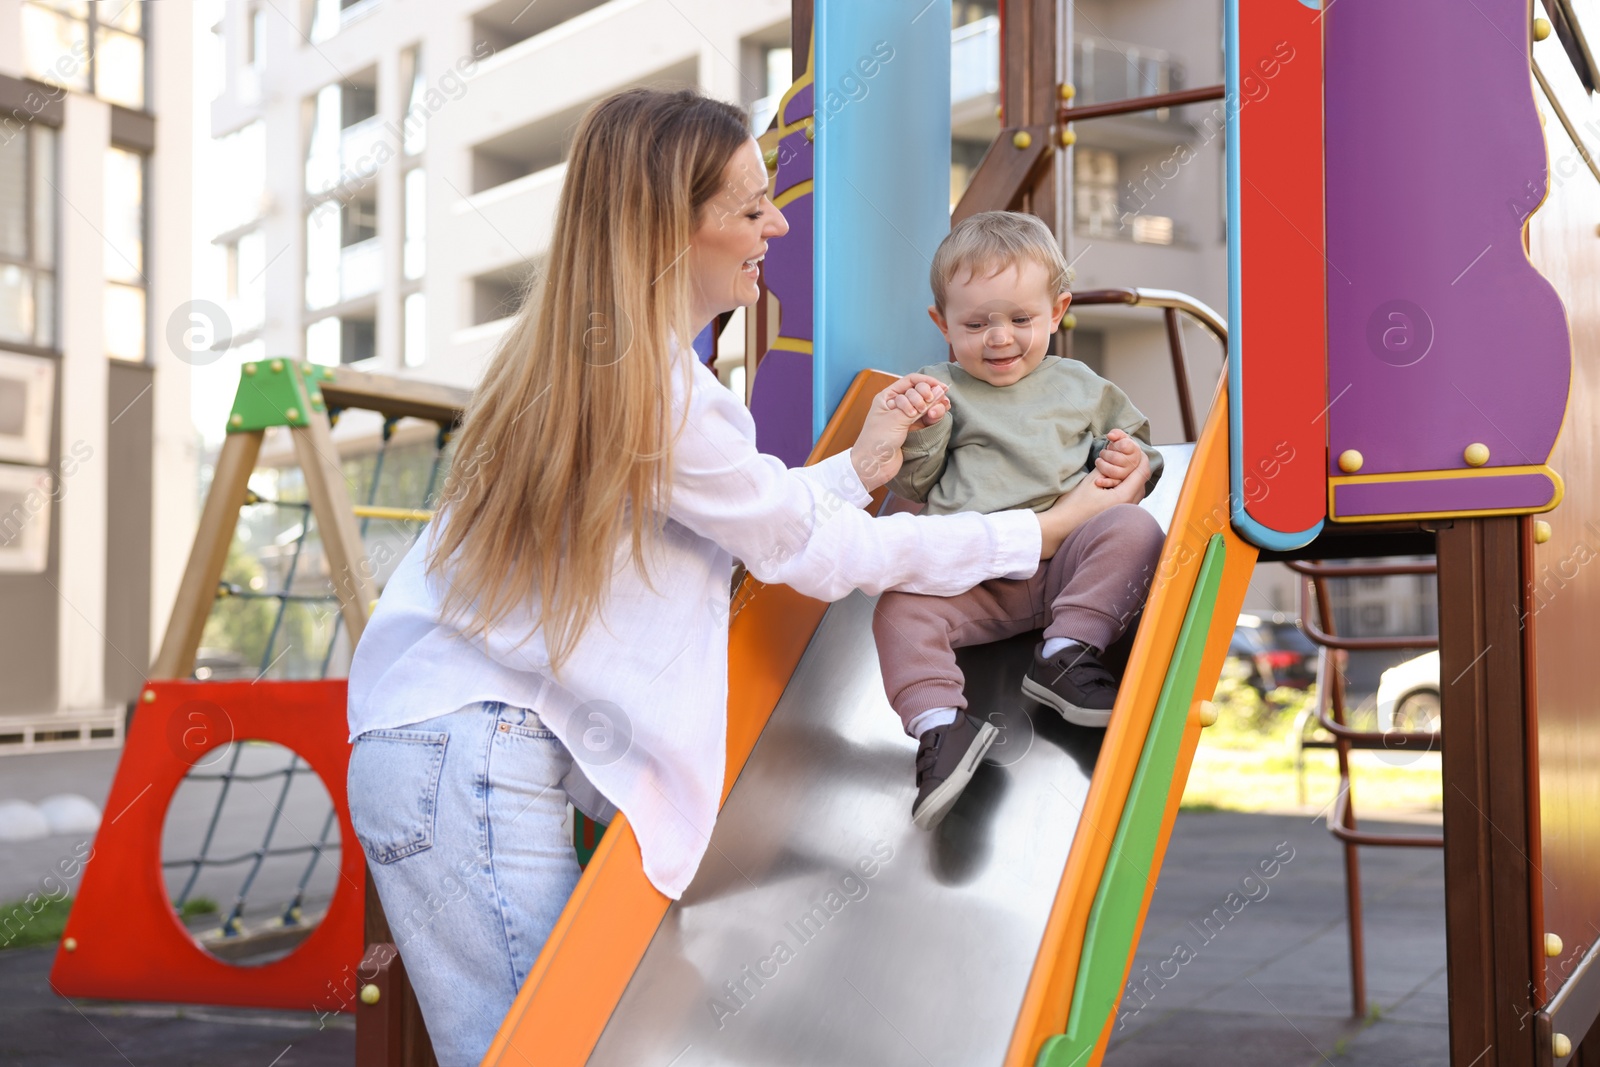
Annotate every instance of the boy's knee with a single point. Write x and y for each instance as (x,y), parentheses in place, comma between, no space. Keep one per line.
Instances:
(1135,525)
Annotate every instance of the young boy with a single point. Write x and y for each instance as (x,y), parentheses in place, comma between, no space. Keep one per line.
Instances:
(1019,429)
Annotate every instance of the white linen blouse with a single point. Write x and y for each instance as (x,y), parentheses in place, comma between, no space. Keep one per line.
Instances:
(642,701)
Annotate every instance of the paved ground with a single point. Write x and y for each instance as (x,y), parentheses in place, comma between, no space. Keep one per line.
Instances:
(1261,977)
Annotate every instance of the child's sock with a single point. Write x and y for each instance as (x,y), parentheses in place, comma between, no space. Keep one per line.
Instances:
(924,721)
(1052,645)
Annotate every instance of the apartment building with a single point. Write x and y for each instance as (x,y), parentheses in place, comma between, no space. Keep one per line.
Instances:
(97,461)
(358,129)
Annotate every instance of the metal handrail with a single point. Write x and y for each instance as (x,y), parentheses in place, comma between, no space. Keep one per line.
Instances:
(1172,303)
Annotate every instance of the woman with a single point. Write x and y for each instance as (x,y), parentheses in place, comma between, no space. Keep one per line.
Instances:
(562,631)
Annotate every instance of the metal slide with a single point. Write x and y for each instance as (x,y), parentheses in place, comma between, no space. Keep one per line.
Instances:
(824,929)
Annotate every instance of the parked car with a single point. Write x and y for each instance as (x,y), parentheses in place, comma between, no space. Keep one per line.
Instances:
(1408,695)
(1267,653)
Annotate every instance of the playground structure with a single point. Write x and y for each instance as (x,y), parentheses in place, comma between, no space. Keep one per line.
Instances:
(1379,400)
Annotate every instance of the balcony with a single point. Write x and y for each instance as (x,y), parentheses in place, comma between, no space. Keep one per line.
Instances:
(506,225)
(353,157)
(975,60)
(509,22)
(360,269)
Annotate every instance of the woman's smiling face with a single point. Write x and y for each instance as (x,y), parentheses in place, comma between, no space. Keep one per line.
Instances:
(727,248)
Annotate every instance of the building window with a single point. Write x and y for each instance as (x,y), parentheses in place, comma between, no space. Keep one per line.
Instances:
(328,17)
(416,120)
(124,231)
(28,237)
(415,336)
(341,339)
(347,144)
(246,269)
(416,190)
(1094,175)
(95,48)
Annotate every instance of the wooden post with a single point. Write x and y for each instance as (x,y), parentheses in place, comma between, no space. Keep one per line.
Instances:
(1487,784)
(207,556)
(348,566)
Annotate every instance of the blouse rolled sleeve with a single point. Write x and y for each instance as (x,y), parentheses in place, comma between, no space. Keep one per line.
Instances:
(805,528)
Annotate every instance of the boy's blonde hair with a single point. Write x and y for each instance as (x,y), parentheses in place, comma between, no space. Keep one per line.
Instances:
(992,241)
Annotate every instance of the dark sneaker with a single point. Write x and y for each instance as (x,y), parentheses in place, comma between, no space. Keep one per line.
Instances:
(946,759)
(1075,683)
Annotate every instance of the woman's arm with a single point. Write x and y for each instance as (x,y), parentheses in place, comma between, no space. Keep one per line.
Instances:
(808,530)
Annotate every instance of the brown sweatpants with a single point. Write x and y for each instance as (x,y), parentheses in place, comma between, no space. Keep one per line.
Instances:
(1091,591)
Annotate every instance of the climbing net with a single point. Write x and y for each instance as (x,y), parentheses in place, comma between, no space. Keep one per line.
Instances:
(276,615)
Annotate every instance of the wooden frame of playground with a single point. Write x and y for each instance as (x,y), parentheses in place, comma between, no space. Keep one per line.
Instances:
(1522,863)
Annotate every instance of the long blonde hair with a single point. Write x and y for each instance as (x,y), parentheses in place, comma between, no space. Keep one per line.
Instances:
(567,442)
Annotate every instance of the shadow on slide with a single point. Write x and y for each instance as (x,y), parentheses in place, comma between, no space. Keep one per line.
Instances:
(822,927)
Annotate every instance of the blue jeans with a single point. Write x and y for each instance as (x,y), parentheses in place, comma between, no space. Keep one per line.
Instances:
(460,817)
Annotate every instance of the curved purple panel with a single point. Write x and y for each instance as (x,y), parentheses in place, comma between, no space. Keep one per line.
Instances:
(789,274)
(798,107)
(1440,332)
(795,155)
(780,402)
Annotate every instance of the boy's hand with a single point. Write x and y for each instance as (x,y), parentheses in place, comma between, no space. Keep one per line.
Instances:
(910,403)
(1117,460)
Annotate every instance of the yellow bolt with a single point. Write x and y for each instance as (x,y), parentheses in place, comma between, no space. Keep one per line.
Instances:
(1067,137)
(373,606)
(770,158)
(1552,945)
(1541,29)
(327,372)
(1066,91)
(1476,454)
(70,944)
(249,369)
(1541,534)
(811,129)
(369,994)
(1350,461)
(235,420)
(292,414)
(1022,138)
(277,366)
(1069,321)
(1561,1045)
(148,696)
(1000,112)
(1208,713)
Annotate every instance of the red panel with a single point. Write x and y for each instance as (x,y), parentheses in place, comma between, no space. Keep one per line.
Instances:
(129,943)
(1284,337)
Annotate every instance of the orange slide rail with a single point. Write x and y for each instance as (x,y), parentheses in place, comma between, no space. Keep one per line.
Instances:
(1202,512)
(613,913)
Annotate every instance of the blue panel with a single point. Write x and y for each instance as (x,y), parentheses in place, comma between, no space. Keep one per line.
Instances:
(883,187)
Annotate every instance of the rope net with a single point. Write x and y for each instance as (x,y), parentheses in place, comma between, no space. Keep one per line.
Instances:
(276,616)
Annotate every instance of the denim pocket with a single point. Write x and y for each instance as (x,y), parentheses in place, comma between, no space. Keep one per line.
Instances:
(394,790)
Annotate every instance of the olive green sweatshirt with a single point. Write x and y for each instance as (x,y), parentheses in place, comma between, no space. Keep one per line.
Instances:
(1016,446)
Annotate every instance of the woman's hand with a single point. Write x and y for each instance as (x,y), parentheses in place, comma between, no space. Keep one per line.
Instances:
(1085,501)
(909,403)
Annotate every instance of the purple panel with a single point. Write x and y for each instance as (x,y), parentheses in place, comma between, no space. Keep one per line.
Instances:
(780,402)
(799,106)
(787,269)
(795,163)
(1479,493)
(705,345)
(1440,332)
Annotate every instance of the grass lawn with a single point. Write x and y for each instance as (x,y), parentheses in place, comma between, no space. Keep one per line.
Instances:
(1246,763)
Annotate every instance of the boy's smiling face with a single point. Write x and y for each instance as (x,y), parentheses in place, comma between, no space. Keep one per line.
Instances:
(1000,325)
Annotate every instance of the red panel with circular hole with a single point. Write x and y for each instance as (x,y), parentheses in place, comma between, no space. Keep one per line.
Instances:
(127,943)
